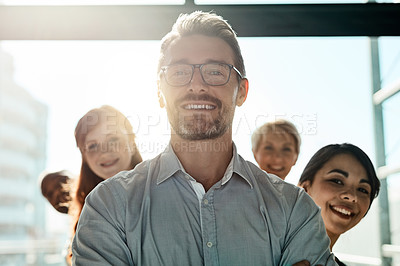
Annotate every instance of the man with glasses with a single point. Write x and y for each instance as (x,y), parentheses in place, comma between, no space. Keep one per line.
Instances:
(199,202)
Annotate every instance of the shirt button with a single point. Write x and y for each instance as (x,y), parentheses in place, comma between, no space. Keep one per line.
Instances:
(209,244)
(206,202)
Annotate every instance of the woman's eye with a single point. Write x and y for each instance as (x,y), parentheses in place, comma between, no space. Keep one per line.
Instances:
(363,190)
(268,148)
(287,149)
(337,181)
(92,147)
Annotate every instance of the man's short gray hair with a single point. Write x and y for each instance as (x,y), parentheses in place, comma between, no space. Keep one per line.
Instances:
(204,23)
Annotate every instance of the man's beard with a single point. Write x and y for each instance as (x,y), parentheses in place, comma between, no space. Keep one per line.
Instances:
(200,126)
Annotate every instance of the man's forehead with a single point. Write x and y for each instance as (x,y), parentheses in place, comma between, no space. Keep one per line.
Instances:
(198,49)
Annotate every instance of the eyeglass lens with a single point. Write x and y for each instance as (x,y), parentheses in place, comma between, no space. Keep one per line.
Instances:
(213,74)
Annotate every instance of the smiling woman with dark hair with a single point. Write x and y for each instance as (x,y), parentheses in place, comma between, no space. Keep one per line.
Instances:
(342,181)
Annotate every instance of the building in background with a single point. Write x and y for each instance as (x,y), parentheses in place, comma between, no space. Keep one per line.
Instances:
(23,127)
(331,86)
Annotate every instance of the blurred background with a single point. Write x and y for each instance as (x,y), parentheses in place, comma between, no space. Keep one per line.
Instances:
(323,85)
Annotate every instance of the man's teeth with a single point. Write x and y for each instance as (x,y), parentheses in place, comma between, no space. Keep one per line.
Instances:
(343,211)
(199,106)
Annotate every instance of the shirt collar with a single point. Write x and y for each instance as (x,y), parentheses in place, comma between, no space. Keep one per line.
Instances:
(170,164)
(240,166)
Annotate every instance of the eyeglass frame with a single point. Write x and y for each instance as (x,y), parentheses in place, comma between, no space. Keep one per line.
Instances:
(200,66)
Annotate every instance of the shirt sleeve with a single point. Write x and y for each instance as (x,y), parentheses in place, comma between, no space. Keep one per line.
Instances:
(306,238)
(100,237)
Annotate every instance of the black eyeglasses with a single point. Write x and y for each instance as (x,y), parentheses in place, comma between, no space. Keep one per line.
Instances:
(213,74)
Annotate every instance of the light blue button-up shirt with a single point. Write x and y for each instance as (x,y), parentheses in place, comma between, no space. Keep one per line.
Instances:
(157,215)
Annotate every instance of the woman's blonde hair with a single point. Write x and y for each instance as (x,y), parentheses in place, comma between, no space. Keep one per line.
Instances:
(277,127)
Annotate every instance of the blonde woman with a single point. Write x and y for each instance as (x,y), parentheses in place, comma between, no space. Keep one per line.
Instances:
(276,147)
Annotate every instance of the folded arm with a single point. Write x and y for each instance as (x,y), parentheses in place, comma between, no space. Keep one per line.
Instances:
(100,238)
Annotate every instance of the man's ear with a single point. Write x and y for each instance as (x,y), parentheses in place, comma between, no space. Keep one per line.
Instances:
(306,185)
(160,95)
(242,92)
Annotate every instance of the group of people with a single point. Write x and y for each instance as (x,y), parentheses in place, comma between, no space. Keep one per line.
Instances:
(194,205)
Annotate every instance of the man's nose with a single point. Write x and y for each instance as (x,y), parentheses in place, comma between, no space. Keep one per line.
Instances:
(197,84)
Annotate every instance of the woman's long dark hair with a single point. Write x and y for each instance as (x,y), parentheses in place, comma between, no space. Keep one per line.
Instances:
(88,180)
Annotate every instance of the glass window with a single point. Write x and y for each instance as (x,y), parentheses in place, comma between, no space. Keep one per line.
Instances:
(322,85)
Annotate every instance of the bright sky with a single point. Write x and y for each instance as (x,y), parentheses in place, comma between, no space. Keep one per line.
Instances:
(322,85)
